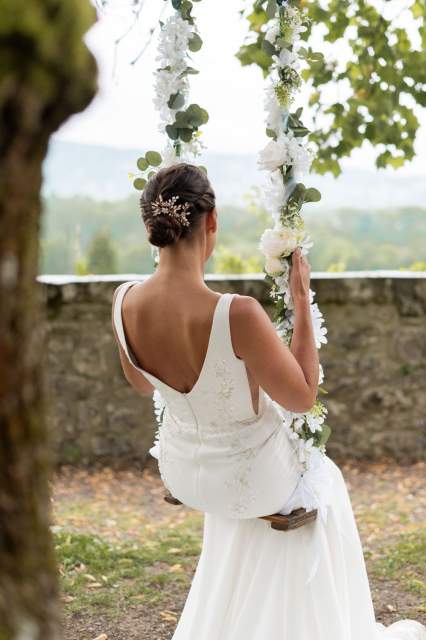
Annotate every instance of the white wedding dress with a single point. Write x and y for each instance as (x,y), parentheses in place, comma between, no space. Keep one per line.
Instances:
(220,457)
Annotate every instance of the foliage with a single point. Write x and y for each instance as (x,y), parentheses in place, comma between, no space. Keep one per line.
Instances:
(226,260)
(101,255)
(181,122)
(344,239)
(376,71)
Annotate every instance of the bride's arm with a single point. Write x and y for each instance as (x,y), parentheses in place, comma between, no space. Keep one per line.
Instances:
(134,377)
(288,375)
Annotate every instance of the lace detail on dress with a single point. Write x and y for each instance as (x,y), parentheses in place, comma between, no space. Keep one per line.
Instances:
(240,483)
(225,380)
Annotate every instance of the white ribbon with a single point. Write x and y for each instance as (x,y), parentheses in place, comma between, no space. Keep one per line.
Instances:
(313,491)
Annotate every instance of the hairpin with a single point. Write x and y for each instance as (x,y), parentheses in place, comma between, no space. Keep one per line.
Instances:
(170,208)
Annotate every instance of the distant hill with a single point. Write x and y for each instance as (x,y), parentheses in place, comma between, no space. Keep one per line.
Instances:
(101,172)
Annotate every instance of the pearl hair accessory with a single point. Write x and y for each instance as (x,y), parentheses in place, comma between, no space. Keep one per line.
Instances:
(170,208)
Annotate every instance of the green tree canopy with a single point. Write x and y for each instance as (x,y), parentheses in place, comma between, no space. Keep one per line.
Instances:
(101,254)
(378,68)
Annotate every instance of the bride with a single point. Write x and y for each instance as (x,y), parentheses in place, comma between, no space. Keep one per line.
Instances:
(223,374)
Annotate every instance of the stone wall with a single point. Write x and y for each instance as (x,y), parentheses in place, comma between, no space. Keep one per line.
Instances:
(375,366)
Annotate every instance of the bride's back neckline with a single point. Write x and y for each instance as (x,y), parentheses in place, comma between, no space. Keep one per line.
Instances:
(118,320)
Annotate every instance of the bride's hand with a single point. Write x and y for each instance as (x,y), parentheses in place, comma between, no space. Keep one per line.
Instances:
(300,276)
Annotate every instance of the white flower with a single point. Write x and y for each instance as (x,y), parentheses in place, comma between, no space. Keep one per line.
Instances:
(274,265)
(314,422)
(287,58)
(298,424)
(169,156)
(305,447)
(273,194)
(301,156)
(279,241)
(305,243)
(272,33)
(171,59)
(159,405)
(283,284)
(321,374)
(317,323)
(274,114)
(274,155)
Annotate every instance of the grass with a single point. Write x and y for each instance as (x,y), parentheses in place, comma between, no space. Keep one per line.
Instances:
(96,572)
(404,561)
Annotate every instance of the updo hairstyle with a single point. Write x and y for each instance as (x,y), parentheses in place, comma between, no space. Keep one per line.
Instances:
(188,183)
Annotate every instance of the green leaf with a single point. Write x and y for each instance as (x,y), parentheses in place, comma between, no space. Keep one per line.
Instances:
(268,48)
(312,195)
(185,134)
(271,133)
(188,71)
(196,116)
(271,8)
(139,184)
(153,158)
(195,43)
(325,434)
(176,100)
(176,4)
(172,132)
(142,164)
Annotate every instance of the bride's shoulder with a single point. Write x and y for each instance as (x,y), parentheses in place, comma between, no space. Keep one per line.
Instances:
(245,304)
(245,309)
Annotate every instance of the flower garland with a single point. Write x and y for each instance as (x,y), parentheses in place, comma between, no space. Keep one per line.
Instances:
(287,157)
(179,121)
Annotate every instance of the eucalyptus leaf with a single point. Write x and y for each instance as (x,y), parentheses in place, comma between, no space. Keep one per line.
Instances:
(139,184)
(312,195)
(271,8)
(176,101)
(185,135)
(268,48)
(195,43)
(188,71)
(271,133)
(172,132)
(153,158)
(142,164)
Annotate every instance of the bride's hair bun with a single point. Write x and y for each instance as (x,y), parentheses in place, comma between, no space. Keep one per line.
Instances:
(174,201)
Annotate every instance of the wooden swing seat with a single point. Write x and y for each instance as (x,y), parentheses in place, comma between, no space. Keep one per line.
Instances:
(279,521)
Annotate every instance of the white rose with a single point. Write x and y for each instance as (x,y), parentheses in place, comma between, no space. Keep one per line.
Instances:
(278,242)
(273,265)
(274,155)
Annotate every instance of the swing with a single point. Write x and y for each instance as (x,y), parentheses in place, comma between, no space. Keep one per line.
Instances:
(181,123)
(297,518)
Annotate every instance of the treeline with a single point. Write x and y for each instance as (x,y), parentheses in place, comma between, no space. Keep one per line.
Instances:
(81,235)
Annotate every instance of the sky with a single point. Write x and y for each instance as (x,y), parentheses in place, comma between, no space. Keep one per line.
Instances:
(123,115)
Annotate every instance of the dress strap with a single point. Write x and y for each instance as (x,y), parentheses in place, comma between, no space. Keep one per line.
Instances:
(118,320)
(221,329)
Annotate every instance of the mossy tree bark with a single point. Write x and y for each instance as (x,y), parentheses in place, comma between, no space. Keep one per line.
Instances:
(46,74)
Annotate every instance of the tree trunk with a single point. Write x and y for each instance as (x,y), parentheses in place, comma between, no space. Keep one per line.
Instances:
(46,74)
